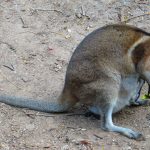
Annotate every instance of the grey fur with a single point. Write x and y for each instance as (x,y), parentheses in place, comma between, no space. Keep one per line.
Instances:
(39,105)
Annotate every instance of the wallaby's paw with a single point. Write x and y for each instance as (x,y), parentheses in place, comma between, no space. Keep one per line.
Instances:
(134,135)
(141,138)
(141,103)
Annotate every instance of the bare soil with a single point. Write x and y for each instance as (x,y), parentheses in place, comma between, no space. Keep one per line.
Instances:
(37,39)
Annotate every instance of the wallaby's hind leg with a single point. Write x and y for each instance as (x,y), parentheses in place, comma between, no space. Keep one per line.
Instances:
(107,124)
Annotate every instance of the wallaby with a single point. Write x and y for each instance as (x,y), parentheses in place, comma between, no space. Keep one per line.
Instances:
(106,71)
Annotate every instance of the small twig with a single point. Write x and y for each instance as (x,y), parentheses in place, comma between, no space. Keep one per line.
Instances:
(24,25)
(29,115)
(18,11)
(9,45)
(97,136)
(61,34)
(83,12)
(40,9)
(145,14)
(27,32)
(11,68)
(71,127)
(36,147)
(47,115)
(32,114)
(74,114)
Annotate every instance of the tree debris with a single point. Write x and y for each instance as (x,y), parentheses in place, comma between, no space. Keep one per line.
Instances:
(129,19)
(9,67)
(40,9)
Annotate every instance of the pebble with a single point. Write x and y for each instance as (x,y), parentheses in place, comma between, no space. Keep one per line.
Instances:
(65,147)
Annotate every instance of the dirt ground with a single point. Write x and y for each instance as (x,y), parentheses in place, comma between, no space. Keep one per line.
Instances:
(37,38)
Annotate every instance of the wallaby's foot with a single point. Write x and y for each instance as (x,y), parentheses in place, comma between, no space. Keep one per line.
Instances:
(124,131)
(140,102)
(107,124)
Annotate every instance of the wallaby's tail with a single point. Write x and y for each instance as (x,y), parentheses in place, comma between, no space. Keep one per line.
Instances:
(39,105)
